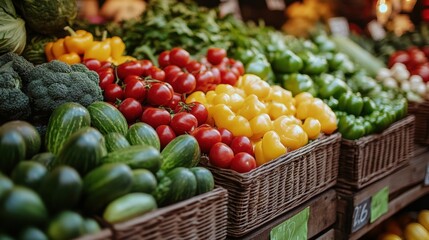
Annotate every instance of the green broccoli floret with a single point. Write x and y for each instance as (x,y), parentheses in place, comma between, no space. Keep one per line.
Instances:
(55,83)
(19,65)
(14,104)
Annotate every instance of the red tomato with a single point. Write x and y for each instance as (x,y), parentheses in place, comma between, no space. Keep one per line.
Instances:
(132,78)
(195,108)
(221,155)
(241,144)
(228,77)
(179,57)
(171,73)
(423,71)
(92,64)
(174,101)
(106,77)
(113,92)
(185,83)
(237,65)
(165,134)
(131,109)
(129,68)
(146,64)
(155,116)
(226,136)
(193,66)
(104,65)
(204,78)
(135,89)
(159,93)
(156,73)
(206,136)
(183,122)
(216,75)
(216,55)
(243,162)
(164,59)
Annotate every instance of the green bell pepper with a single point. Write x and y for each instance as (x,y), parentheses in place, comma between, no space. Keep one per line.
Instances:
(244,55)
(313,64)
(324,43)
(351,127)
(298,83)
(332,103)
(336,87)
(351,103)
(369,106)
(259,66)
(287,62)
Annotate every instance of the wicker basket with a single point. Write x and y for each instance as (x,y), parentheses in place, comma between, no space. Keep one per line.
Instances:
(365,160)
(280,185)
(105,234)
(201,217)
(421,112)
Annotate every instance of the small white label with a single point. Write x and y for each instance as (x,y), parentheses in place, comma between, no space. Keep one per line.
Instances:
(376,30)
(230,7)
(427,176)
(276,5)
(339,26)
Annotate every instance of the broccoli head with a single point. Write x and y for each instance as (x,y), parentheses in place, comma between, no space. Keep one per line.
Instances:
(19,64)
(14,104)
(54,83)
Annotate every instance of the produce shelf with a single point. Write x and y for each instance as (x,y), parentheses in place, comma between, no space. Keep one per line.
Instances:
(404,187)
(322,217)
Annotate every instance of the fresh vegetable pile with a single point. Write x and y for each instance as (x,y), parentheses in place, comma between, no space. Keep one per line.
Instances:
(407,227)
(111,170)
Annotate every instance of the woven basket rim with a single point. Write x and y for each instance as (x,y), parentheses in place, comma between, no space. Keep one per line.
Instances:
(167,209)
(105,233)
(373,137)
(282,160)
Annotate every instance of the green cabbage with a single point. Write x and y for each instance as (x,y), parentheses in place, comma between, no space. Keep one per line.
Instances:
(12,29)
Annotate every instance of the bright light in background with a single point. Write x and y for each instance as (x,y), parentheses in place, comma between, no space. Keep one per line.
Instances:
(383,10)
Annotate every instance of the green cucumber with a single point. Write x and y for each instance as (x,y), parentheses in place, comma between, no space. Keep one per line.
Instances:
(21,207)
(142,133)
(183,151)
(29,174)
(90,226)
(162,190)
(83,151)
(12,150)
(183,185)
(61,189)
(32,233)
(115,141)
(143,181)
(106,118)
(5,184)
(29,133)
(66,225)
(104,184)
(205,181)
(44,158)
(129,206)
(138,156)
(64,121)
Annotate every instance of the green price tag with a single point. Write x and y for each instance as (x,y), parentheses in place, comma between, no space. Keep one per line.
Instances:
(295,228)
(379,204)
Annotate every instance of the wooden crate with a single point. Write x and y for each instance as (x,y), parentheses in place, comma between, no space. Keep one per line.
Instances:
(328,235)
(405,186)
(421,112)
(322,217)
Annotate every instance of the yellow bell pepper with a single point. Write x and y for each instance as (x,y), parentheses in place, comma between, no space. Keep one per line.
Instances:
(210,95)
(100,50)
(122,59)
(276,110)
(292,135)
(70,58)
(48,51)
(316,108)
(252,107)
(252,84)
(118,47)
(78,41)
(260,125)
(281,95)
(302,97)
(269,148)
(58,48)
(197,96)
(225,88)
(236,101)
(240,127)
(222,98)
(312,127)
(222,115)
